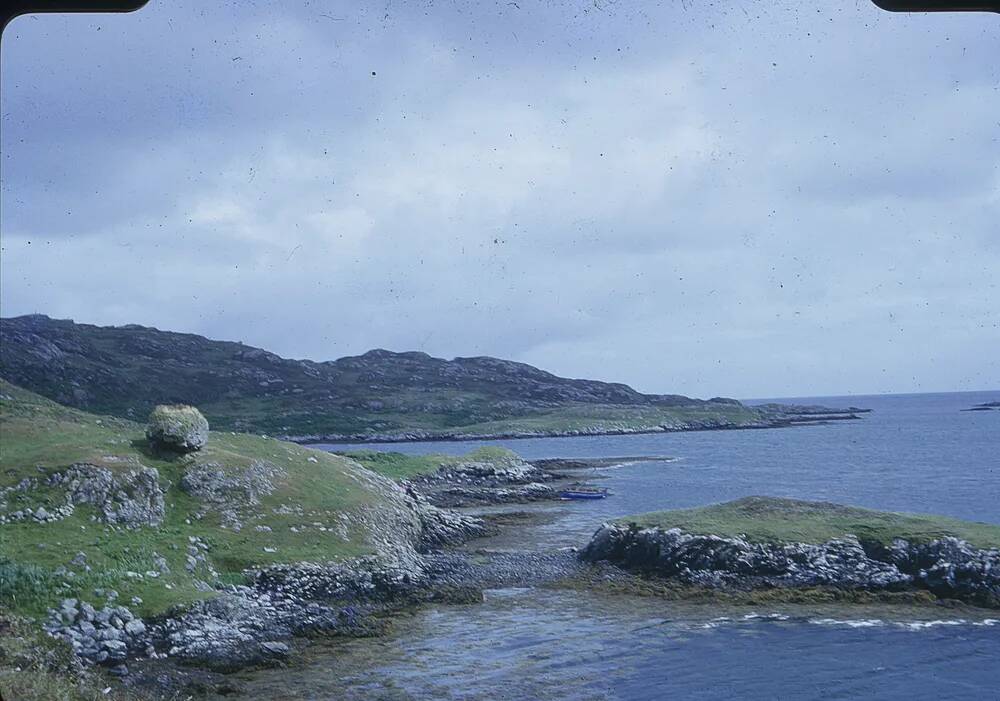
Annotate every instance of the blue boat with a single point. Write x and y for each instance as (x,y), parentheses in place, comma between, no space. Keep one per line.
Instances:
(583,493)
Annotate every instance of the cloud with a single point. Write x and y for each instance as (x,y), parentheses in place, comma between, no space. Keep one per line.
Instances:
(744,203)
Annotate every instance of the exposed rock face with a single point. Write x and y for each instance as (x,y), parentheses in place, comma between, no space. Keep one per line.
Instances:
(177,427)
(473,496)
(949,567)
(440,527)
(133,499)
(210,483)
(107,636)
(498,481)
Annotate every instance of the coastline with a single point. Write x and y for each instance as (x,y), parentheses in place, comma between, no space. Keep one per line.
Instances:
(464,551)
(424,437)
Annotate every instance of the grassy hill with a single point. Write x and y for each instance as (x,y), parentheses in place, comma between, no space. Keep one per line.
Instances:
(39,438)
(124,371)
(771,519)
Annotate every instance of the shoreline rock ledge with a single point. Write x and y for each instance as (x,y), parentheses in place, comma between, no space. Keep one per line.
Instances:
(948,567)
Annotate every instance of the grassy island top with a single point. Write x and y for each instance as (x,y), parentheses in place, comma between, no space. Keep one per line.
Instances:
(773,519)
(402,466)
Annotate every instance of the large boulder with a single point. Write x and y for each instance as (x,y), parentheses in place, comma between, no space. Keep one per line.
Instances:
(177,427)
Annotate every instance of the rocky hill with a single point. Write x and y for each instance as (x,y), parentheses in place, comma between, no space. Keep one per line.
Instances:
(131,552)
(125,370)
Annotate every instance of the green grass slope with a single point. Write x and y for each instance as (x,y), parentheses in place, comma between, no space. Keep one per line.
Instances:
(39,437)
(401,466)
(771,519)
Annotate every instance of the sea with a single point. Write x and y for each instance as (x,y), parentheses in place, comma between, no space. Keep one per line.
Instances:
(914,452)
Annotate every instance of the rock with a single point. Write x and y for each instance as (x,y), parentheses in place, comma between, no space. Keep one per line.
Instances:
(177,427)
(948,567)
(275,649)
(116,649)
(160,563)
(132,499)
(233,488)
(135,627)
(79,560)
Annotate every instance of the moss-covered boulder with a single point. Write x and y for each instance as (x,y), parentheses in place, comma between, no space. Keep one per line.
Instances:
(177,427)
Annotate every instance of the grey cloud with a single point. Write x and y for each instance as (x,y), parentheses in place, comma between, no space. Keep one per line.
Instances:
(742,200)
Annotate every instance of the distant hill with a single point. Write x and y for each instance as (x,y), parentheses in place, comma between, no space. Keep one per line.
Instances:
(126,370)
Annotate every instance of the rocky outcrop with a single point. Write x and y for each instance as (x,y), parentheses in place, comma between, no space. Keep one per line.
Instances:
(177,427)
(500,480)
(949,567)
(235,488)
(480,495)
(107,636)
(439,527)
(131,498)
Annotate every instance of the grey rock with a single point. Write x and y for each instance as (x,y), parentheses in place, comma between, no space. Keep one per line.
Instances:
(231,488)
(177,427)
(132,499)
(135,627)
(275,649)
(949,568)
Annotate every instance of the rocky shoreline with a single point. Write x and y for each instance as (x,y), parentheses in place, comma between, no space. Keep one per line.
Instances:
(256,624)
(948,568)
(263,621)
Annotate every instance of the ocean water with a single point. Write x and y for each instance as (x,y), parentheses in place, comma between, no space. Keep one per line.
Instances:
(912,453)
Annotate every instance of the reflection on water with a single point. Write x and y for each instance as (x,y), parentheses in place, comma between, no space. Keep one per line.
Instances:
(916,453)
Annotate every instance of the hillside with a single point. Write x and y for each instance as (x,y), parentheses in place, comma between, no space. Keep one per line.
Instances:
(124,371)
(134,525)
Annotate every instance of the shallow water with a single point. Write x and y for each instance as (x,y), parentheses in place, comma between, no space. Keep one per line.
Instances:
(913,453)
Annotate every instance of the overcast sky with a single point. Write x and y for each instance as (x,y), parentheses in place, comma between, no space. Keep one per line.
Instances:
(753,199)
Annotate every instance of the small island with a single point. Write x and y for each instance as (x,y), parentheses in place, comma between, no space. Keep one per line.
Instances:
(770,543)
(985,406)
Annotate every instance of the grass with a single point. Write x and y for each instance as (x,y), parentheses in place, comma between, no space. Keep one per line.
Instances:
(397,465)
(467,414)
(610,418)
(39,437)
(772,519)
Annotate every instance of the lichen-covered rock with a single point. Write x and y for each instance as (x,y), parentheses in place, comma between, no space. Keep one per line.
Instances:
(177,427)
(107,636)
(716,561)
(132,499)
(233,487)
(948,567)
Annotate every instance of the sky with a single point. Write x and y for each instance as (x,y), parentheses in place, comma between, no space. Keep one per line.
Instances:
(731,198)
